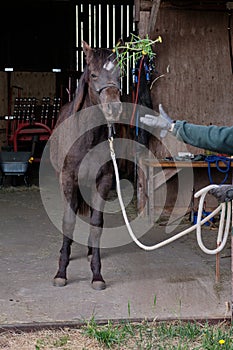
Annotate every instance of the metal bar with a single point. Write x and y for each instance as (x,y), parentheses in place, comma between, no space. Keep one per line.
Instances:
(100,25)
(94,26)
(114,25)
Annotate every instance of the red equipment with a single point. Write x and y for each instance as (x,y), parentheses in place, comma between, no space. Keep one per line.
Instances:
(32,121)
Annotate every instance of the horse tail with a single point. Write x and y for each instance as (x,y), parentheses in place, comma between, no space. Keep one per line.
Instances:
(83,206)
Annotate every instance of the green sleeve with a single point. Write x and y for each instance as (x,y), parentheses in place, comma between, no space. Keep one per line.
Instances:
(212,137)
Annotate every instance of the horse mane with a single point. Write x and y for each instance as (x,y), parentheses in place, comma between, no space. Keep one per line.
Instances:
(80,92)
(98,55)
(68,110)
(76,104)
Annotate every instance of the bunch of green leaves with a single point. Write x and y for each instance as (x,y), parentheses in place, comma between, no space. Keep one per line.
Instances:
(135,49)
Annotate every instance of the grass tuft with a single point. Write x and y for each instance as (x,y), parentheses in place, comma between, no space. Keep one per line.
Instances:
(108,334)
(162,335)
(127,335)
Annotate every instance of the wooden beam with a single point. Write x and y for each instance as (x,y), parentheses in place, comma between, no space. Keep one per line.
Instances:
(195,5)
(143,24)
(153,16)
(163,176)
(154,182)
(137,10)
(145,5)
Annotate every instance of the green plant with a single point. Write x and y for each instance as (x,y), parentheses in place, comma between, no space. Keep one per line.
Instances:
(39,344)
(135,49)
(129,309)
(108,334)
(176,335)
(61,341)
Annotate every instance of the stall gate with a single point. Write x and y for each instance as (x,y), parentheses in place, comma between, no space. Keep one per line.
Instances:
(101,25)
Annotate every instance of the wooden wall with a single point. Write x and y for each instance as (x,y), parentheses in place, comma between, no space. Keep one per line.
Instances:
(198,82)
(194,58)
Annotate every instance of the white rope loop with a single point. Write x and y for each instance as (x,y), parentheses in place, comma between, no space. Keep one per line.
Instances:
(222,207)
(222,237)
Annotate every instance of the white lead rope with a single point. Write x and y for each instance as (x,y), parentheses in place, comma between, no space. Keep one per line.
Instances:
(222,238)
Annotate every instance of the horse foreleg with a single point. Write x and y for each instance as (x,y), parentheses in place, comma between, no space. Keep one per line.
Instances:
(96,222)
(68,225)
(89,251)
(60,279)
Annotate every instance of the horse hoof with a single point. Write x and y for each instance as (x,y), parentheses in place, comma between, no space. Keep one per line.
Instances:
(98,285)
(89,257)
(59,282)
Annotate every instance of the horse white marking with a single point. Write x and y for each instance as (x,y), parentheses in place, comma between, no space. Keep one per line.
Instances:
(108,65)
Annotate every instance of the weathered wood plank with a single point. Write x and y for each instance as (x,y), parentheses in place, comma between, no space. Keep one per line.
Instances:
(142,196)
(145,5)
(153,16)
(144,19)
(163,176)
(155,182)
(137,10)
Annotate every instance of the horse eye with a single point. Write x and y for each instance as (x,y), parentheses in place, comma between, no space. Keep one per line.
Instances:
(94,76)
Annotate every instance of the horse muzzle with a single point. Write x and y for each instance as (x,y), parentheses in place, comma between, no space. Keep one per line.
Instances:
(112,111)
(111,104)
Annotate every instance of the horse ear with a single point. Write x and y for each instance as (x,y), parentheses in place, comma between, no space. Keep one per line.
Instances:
(87,50)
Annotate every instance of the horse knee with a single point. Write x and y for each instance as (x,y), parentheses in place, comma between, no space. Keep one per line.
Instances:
(68,227)
(97,219)
(97,223)
(94,236)
(68,222)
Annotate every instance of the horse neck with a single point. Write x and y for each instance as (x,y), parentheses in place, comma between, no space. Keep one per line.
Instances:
(95,124)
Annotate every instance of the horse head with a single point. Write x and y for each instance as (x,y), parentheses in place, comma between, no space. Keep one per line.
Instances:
(104,81)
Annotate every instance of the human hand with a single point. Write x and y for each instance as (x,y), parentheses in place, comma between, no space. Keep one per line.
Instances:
(223,193)
(163,122)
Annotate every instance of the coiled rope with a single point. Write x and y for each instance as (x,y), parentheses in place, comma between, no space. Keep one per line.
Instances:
(216,160)
(222,233)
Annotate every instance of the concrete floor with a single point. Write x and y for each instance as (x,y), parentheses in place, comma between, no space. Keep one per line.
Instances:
(177,281)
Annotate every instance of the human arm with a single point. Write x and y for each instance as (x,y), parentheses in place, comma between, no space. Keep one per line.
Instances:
(212,137)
